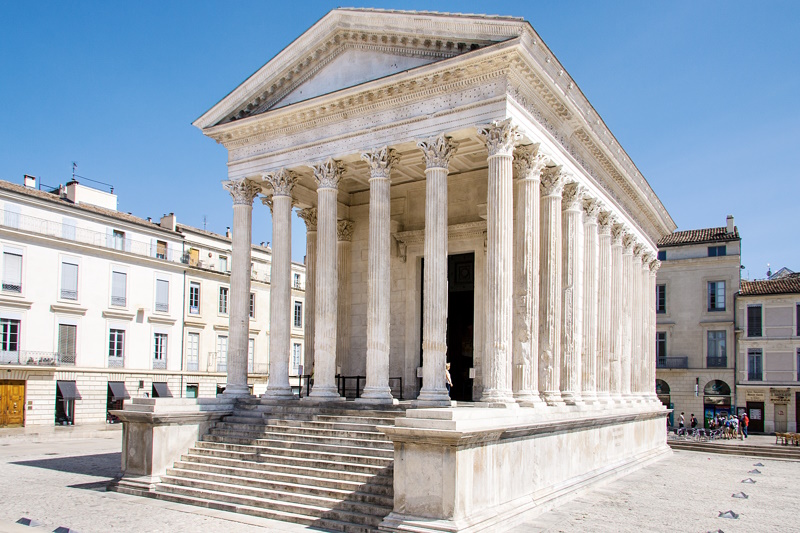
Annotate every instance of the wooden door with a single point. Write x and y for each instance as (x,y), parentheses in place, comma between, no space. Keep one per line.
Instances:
(755,411)
(12,403)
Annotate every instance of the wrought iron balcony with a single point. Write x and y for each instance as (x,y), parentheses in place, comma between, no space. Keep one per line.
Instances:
(67,294)
(160,364)
(192,366)
(672,362)
(27,357)
(116,362)
(755,376)
(716,362)
(12,286)
(118,300)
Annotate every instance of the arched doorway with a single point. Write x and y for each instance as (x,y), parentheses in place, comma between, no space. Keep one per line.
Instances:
(716,400)
(662,391)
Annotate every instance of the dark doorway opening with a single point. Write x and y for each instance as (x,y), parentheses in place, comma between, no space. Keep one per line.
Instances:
(755,412)
(460,322)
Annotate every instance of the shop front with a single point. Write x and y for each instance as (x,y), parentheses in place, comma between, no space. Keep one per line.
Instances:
(716,401)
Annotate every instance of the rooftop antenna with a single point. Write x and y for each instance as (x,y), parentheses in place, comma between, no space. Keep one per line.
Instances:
(74,168)
(205,221)
(769,271)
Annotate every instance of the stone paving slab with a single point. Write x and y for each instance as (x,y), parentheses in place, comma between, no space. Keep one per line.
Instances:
(61,482)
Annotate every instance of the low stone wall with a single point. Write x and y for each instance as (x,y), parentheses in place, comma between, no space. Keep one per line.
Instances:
(478,469)
(156,431)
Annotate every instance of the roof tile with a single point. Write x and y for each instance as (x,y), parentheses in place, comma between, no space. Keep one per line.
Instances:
(699,236)
(787,285)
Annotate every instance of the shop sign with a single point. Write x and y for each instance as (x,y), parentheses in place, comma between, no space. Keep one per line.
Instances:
(779,395)
(754,396)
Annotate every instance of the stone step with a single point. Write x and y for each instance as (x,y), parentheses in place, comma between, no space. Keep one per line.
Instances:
(324,524)
(374,484)
(335,510)
(358,493)
(377,440)
(367,474)
(359,425)
(300,442)
(277,441)
(354,463)
(346,454)
(736,449)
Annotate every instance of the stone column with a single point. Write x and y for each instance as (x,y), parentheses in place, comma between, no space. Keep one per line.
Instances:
(380,164)
(528,165)
(589,359)
(437,152)
(617,290)
(651,358)
(499,138)
(243,193)
(604,322)
(636,321)
(627,315)
(572,291)
(327,175)
(309,216)
(280,296)
(646,302)
(550,288)
(344,236)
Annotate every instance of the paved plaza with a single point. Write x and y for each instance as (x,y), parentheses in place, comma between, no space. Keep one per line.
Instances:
(60,481)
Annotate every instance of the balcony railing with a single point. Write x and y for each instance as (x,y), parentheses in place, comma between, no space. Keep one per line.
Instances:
(67,294)
(162,307)
(12,286)
(27,357)
(116,362)
(193,365)
(118,300)
(716,362)
(160,364)
(755,376)
(672,362)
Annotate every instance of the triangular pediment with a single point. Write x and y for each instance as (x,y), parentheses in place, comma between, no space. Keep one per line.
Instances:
(349,47)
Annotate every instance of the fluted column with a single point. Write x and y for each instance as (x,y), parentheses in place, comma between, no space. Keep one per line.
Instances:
(617,301)
(280,297)
(646,299)
(572,291)
(309,216)
(651,358)
(437,152)
(604,322)
(344,237)
(499,138)
(550,288)
(378,275)
(627,315)
(528,165)
(589,362)
(327,175)
(243,193)
(637,320)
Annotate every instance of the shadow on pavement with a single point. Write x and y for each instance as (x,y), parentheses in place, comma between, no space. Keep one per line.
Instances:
(102,464)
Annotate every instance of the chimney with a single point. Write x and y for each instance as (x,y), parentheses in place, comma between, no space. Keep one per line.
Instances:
(730,224)
(228,232)
(169,222)
(29,181)
(72,191)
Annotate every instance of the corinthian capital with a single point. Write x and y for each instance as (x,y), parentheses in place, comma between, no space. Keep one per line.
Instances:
(282,182)
(528,162)
(572,196)
(638,249)
(627,243)
(380,162)
(553,180)
(328,173)
(242,191)
(499,136)
(309,216)
(267,201)
(617,233)
(344,230)
(591,208)
(655,265)
(646,258)
(437,151)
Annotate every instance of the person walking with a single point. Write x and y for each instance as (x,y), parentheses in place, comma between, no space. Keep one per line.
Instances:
(745,423)
(448,379)
(681,422)
(692,421)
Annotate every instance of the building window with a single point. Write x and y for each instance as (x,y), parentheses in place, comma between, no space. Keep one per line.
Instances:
(296,281)
(223,263)
(223,300)
(69,281)
(12,272)
(717,356)
(661,298)
(298,314)
(222,353)
(661,344)
(662,255)
(252,305)
(798,364)
(162,296)
(194,298)
(191,390)
(119,281)
(11,216)
(753,320)
(717,251)
(118,240)
(755,365)
(193,351)
(716,295)
(67,342)
(251,350)
(798,320)
(68,229)
(9,344)
(116,348)
(159,351)
(295,363)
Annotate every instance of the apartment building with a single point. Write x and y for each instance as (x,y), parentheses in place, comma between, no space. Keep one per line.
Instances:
(98,306)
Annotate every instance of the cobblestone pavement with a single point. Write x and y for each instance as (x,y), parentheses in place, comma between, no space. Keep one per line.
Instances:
(61,482)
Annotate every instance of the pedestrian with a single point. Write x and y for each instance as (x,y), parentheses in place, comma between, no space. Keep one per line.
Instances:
(745,423)
(693,421)
(681,422)
(449,380)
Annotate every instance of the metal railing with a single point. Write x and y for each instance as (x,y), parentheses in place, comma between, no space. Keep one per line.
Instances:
(160,364)
(27,357)
(118,300)
(116,362)
(9,286)
(755,376)
(672,362)
(67,294)
(351,387)
(716,362)
(193,365)
(162,307)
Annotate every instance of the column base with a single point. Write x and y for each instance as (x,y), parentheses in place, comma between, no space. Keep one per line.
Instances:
(497,399)
(528,399)
(604,398)
(236,391)
(553,398)
(589,398)
(432,398)
(282,393)
(382,395)
(326,394)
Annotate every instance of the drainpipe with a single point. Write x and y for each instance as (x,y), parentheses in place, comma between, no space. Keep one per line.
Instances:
(183,322)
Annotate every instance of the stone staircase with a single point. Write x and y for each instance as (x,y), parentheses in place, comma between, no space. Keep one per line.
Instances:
(738,448)
(325,466)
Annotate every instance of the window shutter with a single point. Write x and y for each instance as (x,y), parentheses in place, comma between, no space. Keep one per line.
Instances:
(153,247)
(67,337)
(118,280)
(68,229)
(12,269)
(69,277)
(109,238)
(162,294)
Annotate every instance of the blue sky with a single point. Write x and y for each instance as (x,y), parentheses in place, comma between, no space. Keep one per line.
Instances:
(702,95)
